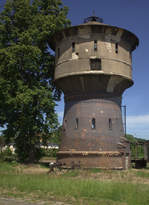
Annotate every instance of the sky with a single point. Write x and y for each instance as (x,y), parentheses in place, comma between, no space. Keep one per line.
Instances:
(132,15)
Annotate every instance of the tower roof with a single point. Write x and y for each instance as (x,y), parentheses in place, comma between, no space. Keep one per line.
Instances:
(95,23)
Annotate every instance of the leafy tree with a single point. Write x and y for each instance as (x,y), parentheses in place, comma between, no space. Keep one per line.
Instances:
(2,142)
(55,136)
(136,146)
(27,92)
(131,138)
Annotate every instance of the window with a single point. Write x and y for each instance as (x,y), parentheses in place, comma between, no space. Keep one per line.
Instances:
(110,124)
(95,64)
(58,52)
(73,47)
(95,45)
(77,123)
(116,47)
(130,56)
(93,123)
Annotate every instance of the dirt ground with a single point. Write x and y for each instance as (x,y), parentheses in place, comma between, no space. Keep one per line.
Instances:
(13,201)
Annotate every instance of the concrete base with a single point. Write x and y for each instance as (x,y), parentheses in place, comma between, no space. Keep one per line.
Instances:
(93,159)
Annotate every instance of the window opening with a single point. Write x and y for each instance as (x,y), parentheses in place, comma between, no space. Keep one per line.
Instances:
(93,123)
(73,47)
(95,45)
(95,64)
(116,48)
(77,123)
(58,52)
(110,124)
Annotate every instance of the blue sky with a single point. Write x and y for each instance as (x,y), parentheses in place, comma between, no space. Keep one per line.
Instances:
(132,15)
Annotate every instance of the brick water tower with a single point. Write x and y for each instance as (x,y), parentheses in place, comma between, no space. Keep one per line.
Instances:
(93,68)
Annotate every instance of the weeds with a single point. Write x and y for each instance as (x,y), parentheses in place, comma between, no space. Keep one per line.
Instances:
(71,187)
(142,174)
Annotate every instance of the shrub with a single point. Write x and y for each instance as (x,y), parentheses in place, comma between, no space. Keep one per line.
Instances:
(7,155)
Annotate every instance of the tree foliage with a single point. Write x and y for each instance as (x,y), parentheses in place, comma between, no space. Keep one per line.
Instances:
(136,146)
(27,92)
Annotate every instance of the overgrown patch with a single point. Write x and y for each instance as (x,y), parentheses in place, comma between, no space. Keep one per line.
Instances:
(76,186)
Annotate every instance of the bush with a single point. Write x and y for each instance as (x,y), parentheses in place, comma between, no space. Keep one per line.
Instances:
(7,155)
(49,152)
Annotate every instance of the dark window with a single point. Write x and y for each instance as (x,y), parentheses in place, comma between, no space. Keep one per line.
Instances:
(95,45)
(95,64)
(65,124)
(116,48)
(73,47)
(58,52)
(110,124)
(130,56)
(77,123)
(93,123)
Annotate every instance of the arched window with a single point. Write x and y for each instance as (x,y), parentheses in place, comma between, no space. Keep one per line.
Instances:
(77,123)
(93,123)
(110,124)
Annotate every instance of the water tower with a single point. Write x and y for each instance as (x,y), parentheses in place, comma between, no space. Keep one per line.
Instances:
(93,68)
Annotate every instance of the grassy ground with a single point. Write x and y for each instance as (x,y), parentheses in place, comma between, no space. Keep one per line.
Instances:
(79,187)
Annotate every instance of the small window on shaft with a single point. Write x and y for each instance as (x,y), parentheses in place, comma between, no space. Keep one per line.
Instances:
(93,123)
(116,48)
(77,123)
(73,47)
(110,124)
(58,52)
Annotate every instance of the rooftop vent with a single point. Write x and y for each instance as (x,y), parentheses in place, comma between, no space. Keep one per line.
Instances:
(93,18)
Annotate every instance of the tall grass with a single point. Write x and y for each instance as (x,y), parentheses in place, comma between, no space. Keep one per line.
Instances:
(142,174)
(68,187)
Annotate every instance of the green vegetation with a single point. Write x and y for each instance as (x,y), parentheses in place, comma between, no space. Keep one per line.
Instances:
(2,142)
(143,174)
(136,146)
(74,187)
(7,156)
(27,91)
(95,170)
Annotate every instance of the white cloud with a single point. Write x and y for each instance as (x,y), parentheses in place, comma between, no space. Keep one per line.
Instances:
(139,119)
(60,116)
(138,126)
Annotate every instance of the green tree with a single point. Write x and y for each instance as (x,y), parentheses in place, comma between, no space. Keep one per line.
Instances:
(2,142)
(27,92)
(55,136)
